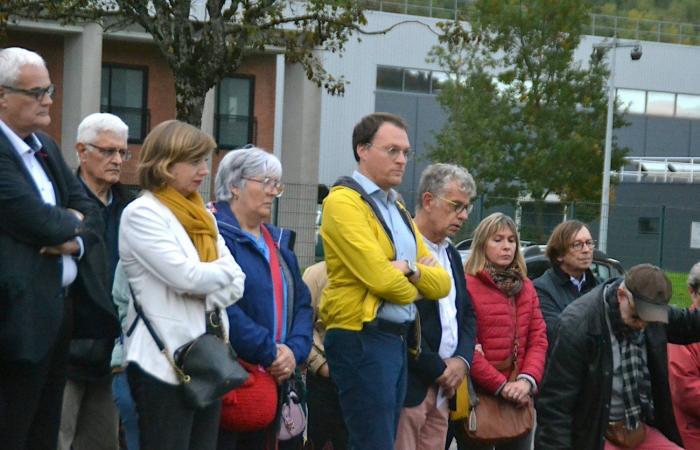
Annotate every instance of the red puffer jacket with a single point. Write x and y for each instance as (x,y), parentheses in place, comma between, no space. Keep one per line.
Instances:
(495,322)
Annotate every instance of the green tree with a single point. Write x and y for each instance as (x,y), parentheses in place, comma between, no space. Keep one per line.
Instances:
(204,41)
(523,116)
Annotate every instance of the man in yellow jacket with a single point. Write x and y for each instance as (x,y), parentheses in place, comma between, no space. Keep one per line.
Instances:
(378,265)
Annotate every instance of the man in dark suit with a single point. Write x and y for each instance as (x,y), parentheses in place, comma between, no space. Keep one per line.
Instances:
(448,325)
(48,230)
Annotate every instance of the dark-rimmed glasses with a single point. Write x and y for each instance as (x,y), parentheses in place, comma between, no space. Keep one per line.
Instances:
(269,184)
(456,206)
(110,152)
(578,245)
(37,93)
(394,152)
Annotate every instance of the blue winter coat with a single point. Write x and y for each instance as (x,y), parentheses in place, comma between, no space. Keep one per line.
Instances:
(252,317)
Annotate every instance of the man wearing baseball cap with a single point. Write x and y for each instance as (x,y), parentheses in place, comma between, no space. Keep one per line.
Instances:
(606,383)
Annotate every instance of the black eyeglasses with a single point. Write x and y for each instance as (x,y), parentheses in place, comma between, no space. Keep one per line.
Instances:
(110,152)
(578,245)
(38,93)
(456,206)
(269,184)
(394,152)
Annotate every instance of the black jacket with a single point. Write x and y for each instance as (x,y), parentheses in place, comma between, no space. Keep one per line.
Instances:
(556,291)
(423,372)
(90,354)
(574,400)
(31,300)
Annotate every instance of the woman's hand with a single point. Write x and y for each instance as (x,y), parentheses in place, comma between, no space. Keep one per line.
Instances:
(284,364)
(517,391)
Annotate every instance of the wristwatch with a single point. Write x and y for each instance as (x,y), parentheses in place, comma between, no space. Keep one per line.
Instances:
(412,268)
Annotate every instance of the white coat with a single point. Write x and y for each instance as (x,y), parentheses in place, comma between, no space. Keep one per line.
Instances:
(171,284)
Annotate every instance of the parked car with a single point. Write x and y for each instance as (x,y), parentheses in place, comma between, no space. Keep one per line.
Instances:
(603,267)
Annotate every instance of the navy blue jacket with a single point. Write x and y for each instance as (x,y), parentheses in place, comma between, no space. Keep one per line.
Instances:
(423,372)
(252,317)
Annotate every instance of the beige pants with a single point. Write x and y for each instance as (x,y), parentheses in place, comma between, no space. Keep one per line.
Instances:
(423,427)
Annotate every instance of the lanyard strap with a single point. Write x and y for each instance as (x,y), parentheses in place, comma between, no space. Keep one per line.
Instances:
(276,282)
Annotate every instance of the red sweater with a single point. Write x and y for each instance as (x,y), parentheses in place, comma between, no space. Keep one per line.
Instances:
(496,322)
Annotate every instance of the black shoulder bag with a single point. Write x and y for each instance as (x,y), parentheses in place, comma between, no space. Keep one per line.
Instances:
(207,366)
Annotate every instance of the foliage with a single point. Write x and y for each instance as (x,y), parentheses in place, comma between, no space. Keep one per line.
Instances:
(204,41)
(523,116)
(673,10)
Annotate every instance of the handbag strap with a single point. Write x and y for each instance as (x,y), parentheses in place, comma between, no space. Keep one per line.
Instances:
(516,340)
(182,376)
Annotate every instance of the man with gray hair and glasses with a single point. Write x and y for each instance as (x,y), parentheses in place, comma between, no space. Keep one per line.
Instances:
(89,419)
(447,326)
(48,224)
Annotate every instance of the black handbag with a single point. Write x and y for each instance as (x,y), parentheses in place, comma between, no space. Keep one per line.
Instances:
(207,366)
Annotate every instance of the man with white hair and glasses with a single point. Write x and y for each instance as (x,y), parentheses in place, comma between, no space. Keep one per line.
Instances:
(89,419)
(48,223)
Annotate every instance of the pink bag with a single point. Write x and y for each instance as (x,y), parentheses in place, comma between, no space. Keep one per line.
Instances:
(292,417)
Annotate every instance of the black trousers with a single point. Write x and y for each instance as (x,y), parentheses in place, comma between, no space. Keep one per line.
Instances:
(325,417)
(31,396)
(165,421)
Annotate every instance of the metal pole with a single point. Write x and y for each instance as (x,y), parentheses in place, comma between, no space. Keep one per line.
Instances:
(662,226)
(605,195)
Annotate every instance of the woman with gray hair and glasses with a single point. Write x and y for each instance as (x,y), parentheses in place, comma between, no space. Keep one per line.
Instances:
(684,376)
(274,317)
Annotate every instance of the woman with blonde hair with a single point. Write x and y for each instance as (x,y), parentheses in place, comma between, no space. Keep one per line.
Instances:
(510,327)
(179,270)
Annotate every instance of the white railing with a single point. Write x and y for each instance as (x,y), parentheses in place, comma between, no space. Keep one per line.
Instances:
(660,170)
(600,24)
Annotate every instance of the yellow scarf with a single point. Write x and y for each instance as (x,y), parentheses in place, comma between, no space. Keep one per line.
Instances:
(192,214)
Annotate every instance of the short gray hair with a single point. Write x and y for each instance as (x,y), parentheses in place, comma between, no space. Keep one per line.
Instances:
(238,165)
(436,177)
(97,123)
(12,59)
(694,278)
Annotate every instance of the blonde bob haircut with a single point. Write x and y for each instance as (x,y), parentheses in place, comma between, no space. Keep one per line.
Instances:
(169,143)
(488,227)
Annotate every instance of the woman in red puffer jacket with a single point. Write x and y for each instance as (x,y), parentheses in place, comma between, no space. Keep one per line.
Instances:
(508,317)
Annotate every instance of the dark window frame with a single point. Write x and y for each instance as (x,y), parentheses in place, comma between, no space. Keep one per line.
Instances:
(252,138)
(145,112)
(648,226)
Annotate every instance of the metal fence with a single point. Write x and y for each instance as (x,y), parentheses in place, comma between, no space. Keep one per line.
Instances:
(600,24)
(661,235)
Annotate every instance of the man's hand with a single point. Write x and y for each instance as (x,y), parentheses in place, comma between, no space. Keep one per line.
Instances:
(67,248)
(77,214)
(323,371)
(517,391)
(453,374)
(284,364)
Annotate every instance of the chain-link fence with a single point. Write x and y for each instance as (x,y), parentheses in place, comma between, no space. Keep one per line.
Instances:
(666,236)
(663,235)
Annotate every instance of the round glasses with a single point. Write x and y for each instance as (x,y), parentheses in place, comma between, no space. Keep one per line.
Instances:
(394,152)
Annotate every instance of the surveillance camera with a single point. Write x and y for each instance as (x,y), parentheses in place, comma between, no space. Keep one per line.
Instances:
(636,53)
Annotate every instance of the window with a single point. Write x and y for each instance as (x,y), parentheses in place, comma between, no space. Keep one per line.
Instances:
(661,103)
(634,101)
(416,80)
(124,94)
(438,80)
(648,225)
(410,80)
(390,78)
(688,106)
(234,112)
